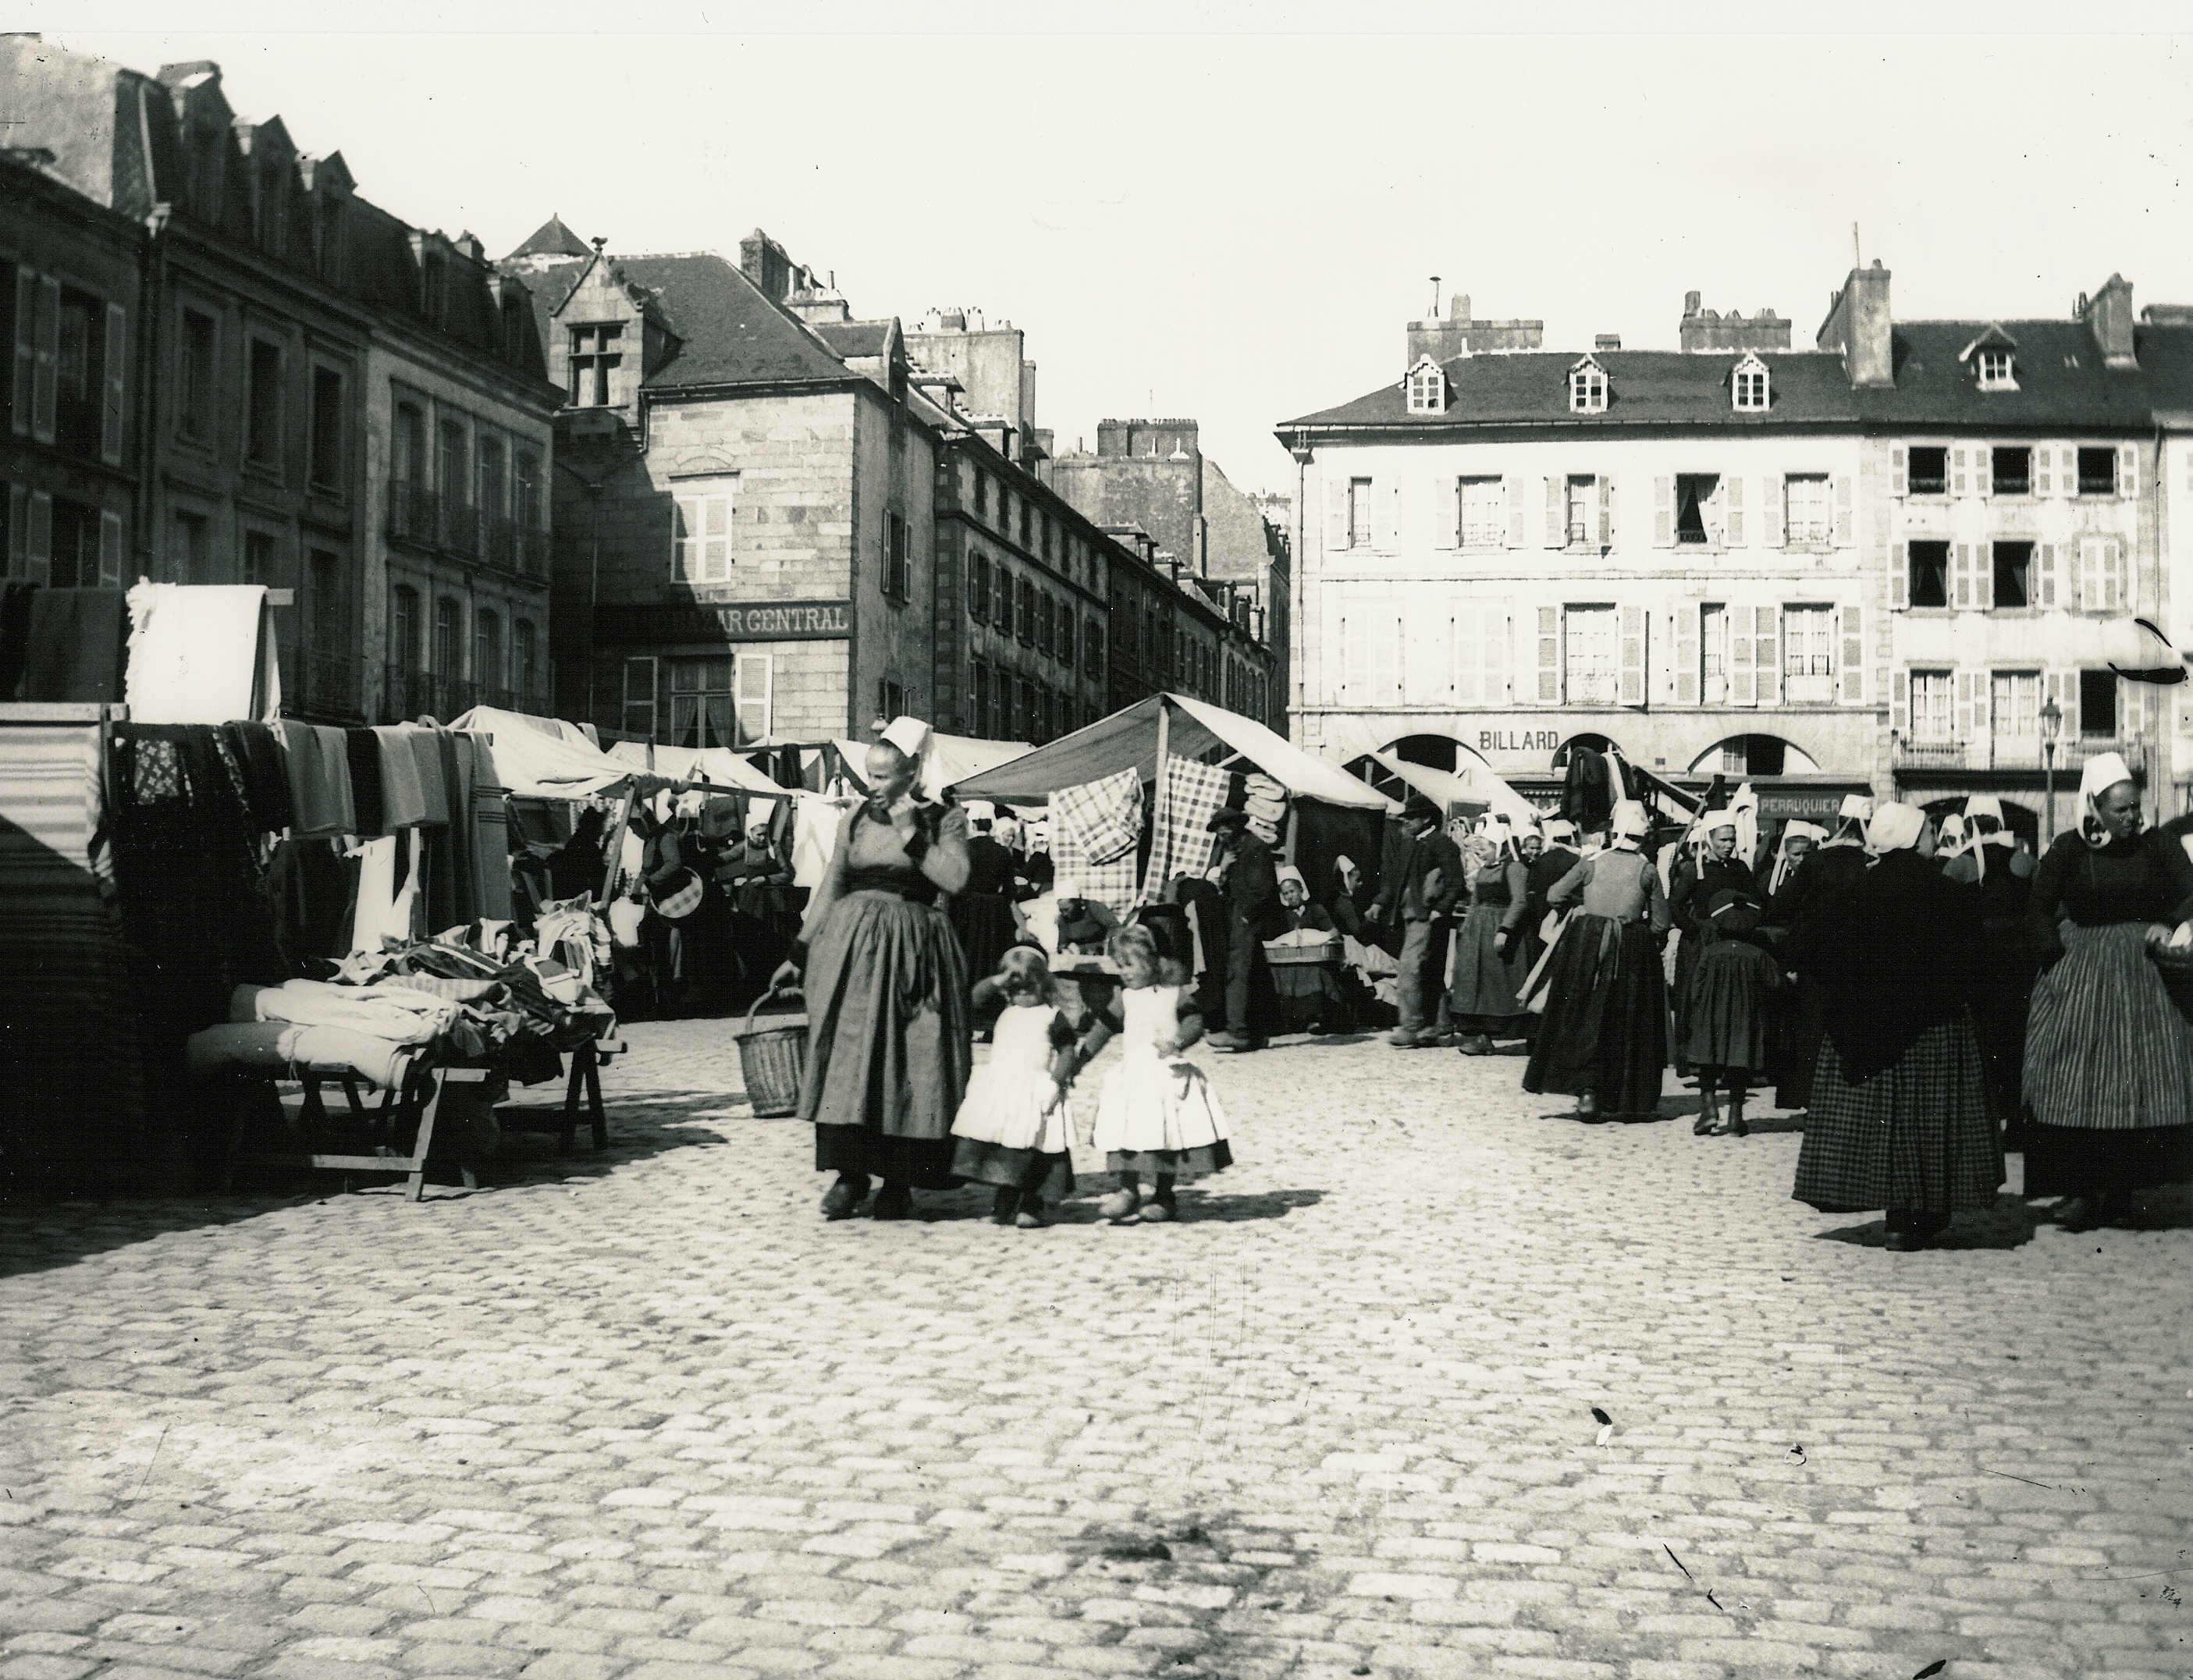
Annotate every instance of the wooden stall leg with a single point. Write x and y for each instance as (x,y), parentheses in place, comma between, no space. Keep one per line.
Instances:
(572,1086)
(415,1189)
(594,1100)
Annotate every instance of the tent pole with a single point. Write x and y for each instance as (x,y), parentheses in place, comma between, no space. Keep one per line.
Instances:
(1159,802)
(616,846)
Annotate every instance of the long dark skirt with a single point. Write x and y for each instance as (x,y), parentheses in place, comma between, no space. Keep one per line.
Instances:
(1916,1136)
(1606,1026)
(1689,944)
(889,1046)
(1481,996)
(984,923)
(2000,1010)
(1803,1020)
(1728,1020)
(2109,1071)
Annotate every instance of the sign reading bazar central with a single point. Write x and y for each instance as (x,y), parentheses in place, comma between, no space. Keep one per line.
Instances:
(704,623)
(792,621)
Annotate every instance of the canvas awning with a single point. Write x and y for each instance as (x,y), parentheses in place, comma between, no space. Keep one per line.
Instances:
(543,757)
(717,765)
(1193,728)
(946,759)
(1476,787)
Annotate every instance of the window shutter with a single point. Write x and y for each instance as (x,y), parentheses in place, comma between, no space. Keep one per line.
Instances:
(1961,477)
(1899,715)
(1852,631)
(1635,620)
(1899,580)
(2089,599)
(1686,640)
(2114,595)
(1605,511)
(1495,662)
(1743,669)
(2127,470)
(26,351)
(1965,683)
(1772,492)
(2044,462)
(1557,513)
(1766,652)
(1408,514)
(1387,672)
(1518,532)
(1961,575)
(2067,470)
(1336,511)
(38,552)
(19,531)
(1549,655)
(110,414)
(2044,591)
(1465,675)
(1845,527)
(1664,512)
(48,368)
(2068,700)
(1355,659)
(109,551)
(1389,509)
(1443,509)
(1899,471)
(1734,490)
(1983,471)
(1983,575)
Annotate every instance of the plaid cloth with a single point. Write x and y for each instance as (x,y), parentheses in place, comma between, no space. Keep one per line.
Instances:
(1094,828)
(1179,843)
(1917,1136)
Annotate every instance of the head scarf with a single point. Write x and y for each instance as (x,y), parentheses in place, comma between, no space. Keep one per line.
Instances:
(2102,772)
(1895,828)
(1851,818)
(1954,838)
(1628,825)
(1286,872)
(1783,860)
(1559,830)
(1977,840)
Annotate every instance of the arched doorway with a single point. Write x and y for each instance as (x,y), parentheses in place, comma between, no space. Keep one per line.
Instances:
(1596,743)
(1754,755)
(1433,752)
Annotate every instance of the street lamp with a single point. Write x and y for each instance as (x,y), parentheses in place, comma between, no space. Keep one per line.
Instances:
(2051,725)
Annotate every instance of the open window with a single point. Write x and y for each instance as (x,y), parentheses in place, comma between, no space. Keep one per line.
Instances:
(1929,563)
(1696,508)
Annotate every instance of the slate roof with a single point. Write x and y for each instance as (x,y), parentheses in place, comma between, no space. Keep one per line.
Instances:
(2062,383)
(552,239)
(731,334)
(850,338)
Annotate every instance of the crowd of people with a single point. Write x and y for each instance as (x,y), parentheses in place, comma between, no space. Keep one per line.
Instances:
(2047,1007)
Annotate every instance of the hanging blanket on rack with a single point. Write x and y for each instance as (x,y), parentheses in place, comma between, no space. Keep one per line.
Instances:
(1180,840)
(1094,831)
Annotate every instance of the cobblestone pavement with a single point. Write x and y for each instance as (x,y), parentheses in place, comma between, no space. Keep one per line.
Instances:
(646,1417)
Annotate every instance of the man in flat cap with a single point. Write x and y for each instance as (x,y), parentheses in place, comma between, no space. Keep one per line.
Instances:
(1252,907)
(1419,876)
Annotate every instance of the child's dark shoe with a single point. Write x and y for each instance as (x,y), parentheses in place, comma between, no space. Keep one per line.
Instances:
(1004,1206)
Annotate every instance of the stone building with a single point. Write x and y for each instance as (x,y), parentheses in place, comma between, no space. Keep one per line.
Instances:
(1870,563)
(273,300)
(1153,476)
(744,497)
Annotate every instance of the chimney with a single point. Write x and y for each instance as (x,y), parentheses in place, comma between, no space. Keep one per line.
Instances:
(2108,316)
(1607,341)
(1858,327)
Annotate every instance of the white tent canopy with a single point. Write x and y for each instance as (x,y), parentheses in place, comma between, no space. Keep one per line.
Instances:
(543,757)
(1474,785)
(717,764)
(1130,740)
(946,760)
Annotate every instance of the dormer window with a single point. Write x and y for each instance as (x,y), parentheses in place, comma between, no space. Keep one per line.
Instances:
(1427,388)
(1996,370)
(1749,389)
(1588,388)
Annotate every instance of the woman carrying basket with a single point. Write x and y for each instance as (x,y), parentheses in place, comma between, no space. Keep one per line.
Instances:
(891,1046)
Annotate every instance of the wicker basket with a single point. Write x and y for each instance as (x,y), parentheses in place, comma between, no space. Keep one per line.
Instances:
(773,1058)
(1284,954)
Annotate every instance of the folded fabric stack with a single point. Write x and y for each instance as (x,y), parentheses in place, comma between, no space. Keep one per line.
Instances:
(1264,803)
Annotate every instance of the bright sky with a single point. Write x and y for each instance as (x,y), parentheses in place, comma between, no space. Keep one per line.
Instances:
(1237,227)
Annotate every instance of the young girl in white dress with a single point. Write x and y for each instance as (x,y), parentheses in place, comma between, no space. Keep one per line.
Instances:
(1157,1117)
(1011,1128)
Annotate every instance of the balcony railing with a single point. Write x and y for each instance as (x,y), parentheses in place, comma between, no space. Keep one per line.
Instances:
(318,685)
(2005,752)
(415,694)
(499,546)
(410,512)
(533,551)
(460,526)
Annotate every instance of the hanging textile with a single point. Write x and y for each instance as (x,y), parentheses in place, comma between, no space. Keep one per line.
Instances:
(1094,831)
(317,760)
(1180,842)
(198,654)
(75,650)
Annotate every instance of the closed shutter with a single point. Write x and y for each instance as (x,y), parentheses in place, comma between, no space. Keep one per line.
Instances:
(1771,512)
(1983,471)
(1605,511)
(2044,463)
(1743,666)
(1960,471)
(19,531)
(2067,470)
(1734,488)
(2127,470)
(1443,507)
(2117,597)
(1846,522)
(1899,713)
(1549,656)
(1336,511)
(2044,590)
(38,550)
(1387,498)
(1387,663)
(1664,512)
(49,363)
(2068,699)
(1518,532)
(1983,575)
(27,352)
(753,689)
(1494,630)
(2090,576)
(1408,514)
(1686,643)
(110,413)
(1355,661)
(1961,575)
(109,551)
(1635,620)
(1899,471)
(1852,635)
(1557,530)
(1465,675)
(1899,579)
(1766,652)
(1971,698)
